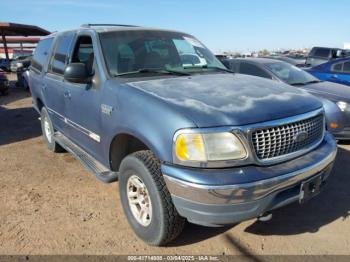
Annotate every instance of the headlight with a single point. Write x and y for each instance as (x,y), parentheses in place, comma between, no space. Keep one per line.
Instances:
(342,105)
(195,147)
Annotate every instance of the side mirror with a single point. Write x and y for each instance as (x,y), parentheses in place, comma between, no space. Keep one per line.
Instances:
(77,73)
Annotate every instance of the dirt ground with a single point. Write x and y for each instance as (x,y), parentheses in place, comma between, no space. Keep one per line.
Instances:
(49,204)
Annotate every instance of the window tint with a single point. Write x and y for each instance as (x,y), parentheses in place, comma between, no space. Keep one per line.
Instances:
(322,52)
(84,52)
(346,67)
(250,69)
(41,53)
(58,60)
(337,67)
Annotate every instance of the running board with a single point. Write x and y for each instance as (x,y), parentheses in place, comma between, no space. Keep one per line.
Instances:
(90,163)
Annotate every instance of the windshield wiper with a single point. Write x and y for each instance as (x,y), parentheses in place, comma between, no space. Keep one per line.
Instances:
(210,67)
(154,70)
(313,82)
(298,84)
(306,83)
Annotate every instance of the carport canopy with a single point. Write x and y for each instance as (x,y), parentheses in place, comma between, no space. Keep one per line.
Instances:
(13,29)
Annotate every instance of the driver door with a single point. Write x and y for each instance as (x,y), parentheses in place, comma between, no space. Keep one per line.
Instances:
(83,101)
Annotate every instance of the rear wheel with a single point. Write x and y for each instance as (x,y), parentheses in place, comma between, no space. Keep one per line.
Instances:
(146,200)
(48,132)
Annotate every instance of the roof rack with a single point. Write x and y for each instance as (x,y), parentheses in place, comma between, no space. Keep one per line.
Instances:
(92,25)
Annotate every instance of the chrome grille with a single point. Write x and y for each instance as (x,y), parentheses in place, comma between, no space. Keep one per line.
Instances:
(281,140)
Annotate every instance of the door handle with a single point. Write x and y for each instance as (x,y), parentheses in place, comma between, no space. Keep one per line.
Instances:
(67,94)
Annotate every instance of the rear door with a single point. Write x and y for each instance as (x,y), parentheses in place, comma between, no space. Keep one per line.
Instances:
(38,65)
(54,86)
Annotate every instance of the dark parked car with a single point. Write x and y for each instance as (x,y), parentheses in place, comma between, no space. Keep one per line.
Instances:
(185,142)
(337,71)
(294,76)
(320,55)
(4,83)
(296,61)
(5,64)
(20,62)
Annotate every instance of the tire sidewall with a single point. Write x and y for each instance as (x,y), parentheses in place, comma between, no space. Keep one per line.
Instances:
(45,115)
(153,233)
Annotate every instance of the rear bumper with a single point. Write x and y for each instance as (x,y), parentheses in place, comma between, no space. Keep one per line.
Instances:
(227,203)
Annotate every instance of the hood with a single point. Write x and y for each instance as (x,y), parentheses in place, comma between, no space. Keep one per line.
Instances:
(229,99)
(332,91)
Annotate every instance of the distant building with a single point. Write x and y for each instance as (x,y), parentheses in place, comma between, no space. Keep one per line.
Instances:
(347,45)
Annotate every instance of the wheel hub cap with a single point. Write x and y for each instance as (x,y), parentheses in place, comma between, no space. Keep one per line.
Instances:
(139,200)
(47,129)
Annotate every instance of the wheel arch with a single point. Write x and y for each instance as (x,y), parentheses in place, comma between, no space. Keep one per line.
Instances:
(125,143)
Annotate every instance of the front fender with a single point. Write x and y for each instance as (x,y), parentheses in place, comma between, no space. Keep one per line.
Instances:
(145,117)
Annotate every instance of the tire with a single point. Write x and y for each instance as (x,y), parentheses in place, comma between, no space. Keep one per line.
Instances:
(164,223)
(48,131)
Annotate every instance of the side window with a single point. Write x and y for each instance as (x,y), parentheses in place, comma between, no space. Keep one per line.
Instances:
(250,69)
(41,53)
(337,67)
(84,52)
(59,58)
(322,52)
(346,67)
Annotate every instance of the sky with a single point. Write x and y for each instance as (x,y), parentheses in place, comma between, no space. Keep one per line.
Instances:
(222,25)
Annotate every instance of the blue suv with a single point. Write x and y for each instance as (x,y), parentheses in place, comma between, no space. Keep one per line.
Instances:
(186,138)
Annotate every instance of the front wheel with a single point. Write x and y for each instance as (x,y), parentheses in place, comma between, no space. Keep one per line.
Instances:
(146,200)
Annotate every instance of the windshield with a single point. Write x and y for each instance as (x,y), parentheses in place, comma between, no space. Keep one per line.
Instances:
(134,51)
(291,74)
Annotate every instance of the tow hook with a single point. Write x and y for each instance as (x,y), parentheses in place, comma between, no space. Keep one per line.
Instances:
(265,217)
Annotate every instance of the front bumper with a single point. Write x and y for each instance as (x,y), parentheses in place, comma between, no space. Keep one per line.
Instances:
(343,135)
(215,197)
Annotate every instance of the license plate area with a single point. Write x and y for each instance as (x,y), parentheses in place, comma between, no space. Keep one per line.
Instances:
(310,188)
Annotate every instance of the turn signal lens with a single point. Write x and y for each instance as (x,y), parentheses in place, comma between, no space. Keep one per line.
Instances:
(333,125)
(208,147)
(190,147)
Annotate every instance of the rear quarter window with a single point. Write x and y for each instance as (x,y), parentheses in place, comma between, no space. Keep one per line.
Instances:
(41,54)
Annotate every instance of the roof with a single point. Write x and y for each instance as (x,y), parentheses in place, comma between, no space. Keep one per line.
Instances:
(110,28)
(259,60)
(13,29)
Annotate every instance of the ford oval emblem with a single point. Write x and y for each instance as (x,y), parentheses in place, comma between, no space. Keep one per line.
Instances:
(301,136)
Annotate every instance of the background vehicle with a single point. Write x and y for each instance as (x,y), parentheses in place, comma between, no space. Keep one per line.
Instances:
(4,64)
(337,71)
(299,62)
(20,62)
(294,76)
(4,83)
(320,55)
(183,141)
